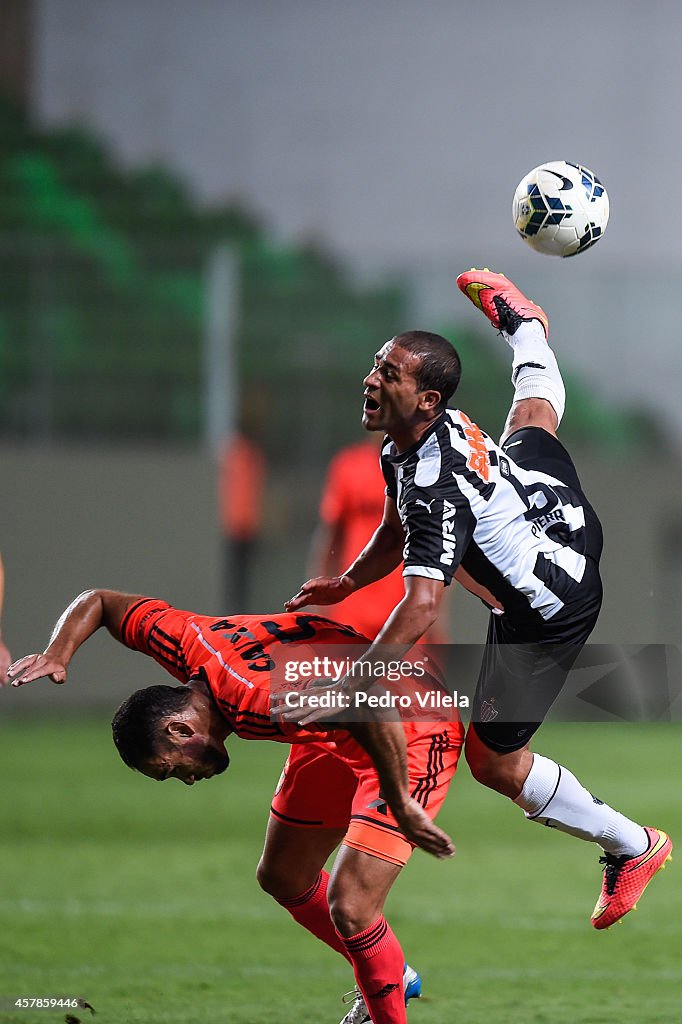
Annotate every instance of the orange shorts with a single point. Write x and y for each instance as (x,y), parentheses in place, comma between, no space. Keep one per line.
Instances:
(335,785)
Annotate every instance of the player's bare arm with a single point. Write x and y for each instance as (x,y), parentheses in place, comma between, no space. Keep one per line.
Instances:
(414,615)
(385,743)
(379,558)
(84,616)
(467,581)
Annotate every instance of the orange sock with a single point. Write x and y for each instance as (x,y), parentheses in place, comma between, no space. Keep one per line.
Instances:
(378,964)
(311,910)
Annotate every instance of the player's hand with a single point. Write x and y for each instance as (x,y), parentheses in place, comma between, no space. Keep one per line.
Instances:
(36,666)
(5,658)
(420,830)
(321,590)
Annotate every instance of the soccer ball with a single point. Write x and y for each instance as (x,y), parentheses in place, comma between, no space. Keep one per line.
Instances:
(560,208)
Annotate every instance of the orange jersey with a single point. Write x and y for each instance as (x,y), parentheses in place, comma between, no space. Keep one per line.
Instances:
(235,656)
(353,504)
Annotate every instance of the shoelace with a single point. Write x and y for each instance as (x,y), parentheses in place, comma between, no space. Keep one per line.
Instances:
(358,1012)
(611,870)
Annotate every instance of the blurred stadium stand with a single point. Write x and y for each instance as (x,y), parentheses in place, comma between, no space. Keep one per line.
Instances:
(103,307)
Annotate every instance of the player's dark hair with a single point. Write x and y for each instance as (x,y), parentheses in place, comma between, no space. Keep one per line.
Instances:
(135,726)
(440,368)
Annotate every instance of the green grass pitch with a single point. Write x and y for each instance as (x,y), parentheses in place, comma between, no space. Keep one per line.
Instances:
(141,896)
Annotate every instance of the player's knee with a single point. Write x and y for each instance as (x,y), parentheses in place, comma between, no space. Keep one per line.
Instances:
(273,880)
(266,877)
(483,770)
(491,770)
(283,881)
(350,913)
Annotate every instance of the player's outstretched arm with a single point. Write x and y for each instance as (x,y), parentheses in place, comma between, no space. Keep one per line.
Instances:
(83,617)
(380,557)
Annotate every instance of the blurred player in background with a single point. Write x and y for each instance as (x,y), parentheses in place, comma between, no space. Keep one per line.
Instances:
(512,523)
(5,656)
(241,486)
(352,504)
(373,788)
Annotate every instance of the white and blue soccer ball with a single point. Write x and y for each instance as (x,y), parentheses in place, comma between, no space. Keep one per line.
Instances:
(560,208)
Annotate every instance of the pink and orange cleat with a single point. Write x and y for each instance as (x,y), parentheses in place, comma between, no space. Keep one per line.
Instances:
(626,878)
(501,301)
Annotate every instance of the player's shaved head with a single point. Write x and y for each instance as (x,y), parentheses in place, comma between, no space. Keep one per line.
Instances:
(440,368)
(135,725)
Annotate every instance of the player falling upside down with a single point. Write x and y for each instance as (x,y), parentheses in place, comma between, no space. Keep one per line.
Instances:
(335,787)
(512,523)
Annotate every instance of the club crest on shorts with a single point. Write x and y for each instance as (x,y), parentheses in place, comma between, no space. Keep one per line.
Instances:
(488,711)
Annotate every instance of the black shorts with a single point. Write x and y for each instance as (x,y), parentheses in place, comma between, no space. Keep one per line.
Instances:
(526,662)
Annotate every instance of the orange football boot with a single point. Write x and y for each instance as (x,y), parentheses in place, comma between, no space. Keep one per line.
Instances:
(626,878)
(501,301)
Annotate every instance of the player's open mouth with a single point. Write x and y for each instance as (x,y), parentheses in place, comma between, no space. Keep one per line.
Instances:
(371,404)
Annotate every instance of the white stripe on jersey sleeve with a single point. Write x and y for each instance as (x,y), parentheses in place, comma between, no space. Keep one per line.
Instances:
(429,465)
(424,570)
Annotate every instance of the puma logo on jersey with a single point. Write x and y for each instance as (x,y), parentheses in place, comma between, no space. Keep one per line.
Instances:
(427,504)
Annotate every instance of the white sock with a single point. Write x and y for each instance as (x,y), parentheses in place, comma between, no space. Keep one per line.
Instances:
(535,371)
(552,796)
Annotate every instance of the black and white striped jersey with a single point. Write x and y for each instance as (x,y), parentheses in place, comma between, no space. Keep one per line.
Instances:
(463,500)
